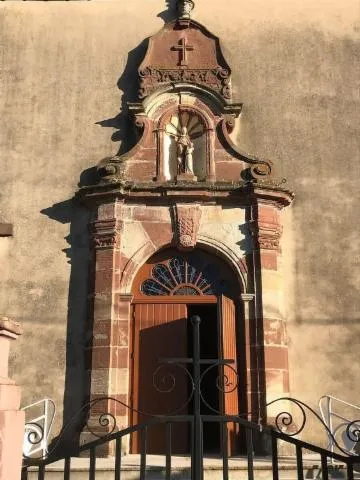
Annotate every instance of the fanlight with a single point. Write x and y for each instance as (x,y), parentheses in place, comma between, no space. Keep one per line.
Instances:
(178,276)
(192,122)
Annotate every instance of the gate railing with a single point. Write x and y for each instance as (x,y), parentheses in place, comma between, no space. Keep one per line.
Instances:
(335,414)
(253,434)
(256,437)
(38,426)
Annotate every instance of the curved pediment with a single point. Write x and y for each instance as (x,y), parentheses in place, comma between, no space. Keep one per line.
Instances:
(187,117)
(184,52)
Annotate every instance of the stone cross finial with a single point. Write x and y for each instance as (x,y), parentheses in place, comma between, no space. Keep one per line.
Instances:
(185,8)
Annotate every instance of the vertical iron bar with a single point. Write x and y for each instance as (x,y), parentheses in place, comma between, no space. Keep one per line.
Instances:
(92,463)
(250,453)
(330,425)
(274,455)
(350,471)
(41,472)
(224,450)
(45,431)
(24,473)
(197,473)
(192,448)
(118,458)
(168,451)
(299,463)
(324,467)
(67,468)
(143,454)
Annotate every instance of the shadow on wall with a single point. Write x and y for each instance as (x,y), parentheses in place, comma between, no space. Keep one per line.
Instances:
(78,254)
(78,333)
(125,133)
(122,122)
(79,328)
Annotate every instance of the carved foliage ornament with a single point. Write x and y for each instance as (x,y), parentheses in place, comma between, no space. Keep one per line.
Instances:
(187,222)
(217,79)
(268,235)
(105,233)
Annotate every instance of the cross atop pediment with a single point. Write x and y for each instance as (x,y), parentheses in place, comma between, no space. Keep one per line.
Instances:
(183,48)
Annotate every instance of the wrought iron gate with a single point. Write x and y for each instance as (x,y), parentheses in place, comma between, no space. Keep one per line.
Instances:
(255,435)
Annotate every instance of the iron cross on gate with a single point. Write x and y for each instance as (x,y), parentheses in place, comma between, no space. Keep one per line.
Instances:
(183,47)
(197,453)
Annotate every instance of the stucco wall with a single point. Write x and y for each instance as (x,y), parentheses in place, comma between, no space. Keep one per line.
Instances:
(295,66)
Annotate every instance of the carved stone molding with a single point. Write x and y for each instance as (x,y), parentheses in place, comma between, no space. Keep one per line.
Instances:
(268,235)
(186,225)
(185,53)
(217,79)
(105,233)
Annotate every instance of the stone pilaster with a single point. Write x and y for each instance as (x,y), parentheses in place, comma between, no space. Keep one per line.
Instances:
(110,328)
(269,347)
(12,419)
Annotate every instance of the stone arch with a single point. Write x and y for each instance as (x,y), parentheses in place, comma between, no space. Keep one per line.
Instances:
(201,112)
(229,256)
(207,243)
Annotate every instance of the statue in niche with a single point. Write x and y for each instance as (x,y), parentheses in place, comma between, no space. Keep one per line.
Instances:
(185,150)
(185,129)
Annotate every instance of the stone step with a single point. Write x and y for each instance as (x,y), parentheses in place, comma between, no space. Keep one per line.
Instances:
(155,470)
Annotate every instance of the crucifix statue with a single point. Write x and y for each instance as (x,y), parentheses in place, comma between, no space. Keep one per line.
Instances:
(183,47)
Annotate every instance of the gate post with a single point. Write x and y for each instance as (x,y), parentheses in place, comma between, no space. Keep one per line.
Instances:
(12,420)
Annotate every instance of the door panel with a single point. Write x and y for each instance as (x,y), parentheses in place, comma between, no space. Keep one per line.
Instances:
(159,330)
(229,402)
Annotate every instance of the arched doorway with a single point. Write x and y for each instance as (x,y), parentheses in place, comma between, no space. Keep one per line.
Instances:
(171,287)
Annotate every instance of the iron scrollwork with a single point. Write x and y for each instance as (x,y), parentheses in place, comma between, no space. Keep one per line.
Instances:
(226,382)
(167,384)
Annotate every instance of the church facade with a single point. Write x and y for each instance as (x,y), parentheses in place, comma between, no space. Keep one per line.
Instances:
(186,223)
(182,222)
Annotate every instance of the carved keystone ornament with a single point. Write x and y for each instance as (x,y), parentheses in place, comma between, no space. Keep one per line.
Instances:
(187,222)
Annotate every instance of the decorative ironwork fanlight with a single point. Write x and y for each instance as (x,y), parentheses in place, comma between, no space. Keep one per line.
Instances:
(178,276)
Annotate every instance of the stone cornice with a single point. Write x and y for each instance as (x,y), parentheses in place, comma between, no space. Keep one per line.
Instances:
(239,193)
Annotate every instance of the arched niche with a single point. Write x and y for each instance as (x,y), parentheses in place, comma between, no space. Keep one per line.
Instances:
(192,124)
(197,127)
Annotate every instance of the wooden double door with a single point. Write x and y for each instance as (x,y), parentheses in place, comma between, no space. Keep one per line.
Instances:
(162,329)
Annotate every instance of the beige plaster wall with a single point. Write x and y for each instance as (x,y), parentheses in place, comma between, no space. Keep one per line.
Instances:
(296,67)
